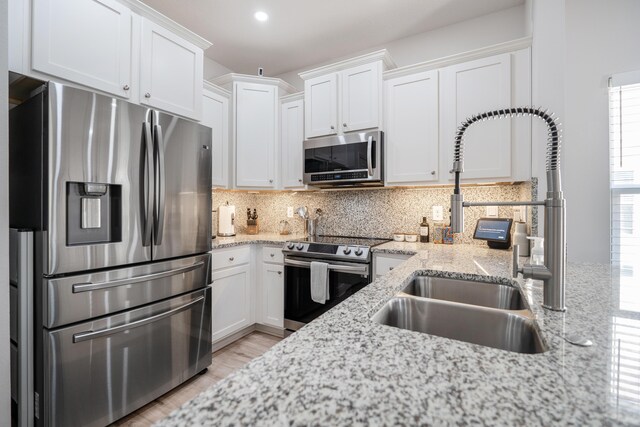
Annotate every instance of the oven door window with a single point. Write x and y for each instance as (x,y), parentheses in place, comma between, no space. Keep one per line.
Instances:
(299,306)
(340,157)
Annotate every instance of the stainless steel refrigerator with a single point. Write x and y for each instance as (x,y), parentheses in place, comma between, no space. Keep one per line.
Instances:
(119,198)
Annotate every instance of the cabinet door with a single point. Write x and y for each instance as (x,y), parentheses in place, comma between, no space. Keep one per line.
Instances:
(320,106)
(86,42)
(215,114)
(361,88)
(273,295)
(292,136)
(231,301)
(256,132)
(471,88)
(411,122)
(170,72)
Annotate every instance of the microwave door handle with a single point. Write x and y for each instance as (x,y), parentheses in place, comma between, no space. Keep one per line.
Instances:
(160,184)
(147,184)
(369,156)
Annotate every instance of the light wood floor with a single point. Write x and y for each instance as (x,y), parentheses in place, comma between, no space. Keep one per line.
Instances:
(225,361)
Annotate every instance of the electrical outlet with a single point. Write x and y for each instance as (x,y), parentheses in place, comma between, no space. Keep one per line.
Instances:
(492,211)
(437,213)
(520,213)
(290,212)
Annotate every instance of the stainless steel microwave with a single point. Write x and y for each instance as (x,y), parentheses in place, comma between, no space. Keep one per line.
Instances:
(351,160)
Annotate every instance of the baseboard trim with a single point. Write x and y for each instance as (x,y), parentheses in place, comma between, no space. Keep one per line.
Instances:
(271,330)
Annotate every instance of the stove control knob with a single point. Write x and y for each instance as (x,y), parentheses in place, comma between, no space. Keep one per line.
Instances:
(346,251)
(290,245)
(300,246)
(358,251)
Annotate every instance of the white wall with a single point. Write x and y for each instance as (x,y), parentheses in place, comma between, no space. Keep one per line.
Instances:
(468,35)
(5,385)
(213,69)
(602,38)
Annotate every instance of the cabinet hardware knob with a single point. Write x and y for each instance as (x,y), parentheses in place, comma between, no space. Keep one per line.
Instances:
(299,180)
(270,181)
(272,255)
(231,258)
(332,128)
(147,95)
(390,268)
(433,172)
(344,124)
(125,87)
(279,272)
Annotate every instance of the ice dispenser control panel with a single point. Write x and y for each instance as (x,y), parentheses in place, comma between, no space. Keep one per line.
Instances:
(94,213)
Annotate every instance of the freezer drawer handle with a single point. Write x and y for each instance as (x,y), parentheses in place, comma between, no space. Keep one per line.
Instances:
(91,335)
(86,287)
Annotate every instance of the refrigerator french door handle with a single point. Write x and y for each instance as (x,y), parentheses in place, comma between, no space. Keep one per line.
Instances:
(160,184)
(148,184)
(91,335)
(86,287)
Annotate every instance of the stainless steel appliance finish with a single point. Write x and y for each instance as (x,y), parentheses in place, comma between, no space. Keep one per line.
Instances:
(507,330)
(119,197)
(466,292)
(352,160)
(21,257)
(75,298)
(553,272)
(101,370)
(349,270)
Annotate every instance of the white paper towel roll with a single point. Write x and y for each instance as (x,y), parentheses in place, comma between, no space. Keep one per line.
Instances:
(226,220)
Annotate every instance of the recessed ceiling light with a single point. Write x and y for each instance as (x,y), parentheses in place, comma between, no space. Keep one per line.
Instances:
(261,16)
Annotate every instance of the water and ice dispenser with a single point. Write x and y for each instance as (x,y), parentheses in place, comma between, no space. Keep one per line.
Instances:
(94,213)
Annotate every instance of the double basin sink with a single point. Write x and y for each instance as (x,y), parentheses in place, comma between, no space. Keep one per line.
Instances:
(487,314)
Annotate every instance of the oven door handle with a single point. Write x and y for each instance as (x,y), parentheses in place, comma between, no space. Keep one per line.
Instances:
(369,155)
(362,269)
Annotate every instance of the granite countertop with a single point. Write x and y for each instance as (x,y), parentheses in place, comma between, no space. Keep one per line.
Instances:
(256,239)
(344,369)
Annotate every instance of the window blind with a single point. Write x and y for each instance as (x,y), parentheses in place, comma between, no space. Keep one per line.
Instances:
(624,139)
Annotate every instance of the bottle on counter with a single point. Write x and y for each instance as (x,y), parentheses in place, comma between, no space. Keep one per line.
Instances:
(424,230)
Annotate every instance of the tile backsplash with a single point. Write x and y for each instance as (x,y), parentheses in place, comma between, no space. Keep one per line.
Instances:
(367,212)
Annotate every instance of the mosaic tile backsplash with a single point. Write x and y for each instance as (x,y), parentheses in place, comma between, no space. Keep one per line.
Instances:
(367,212)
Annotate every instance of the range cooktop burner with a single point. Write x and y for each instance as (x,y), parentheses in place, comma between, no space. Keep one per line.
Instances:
(334,247)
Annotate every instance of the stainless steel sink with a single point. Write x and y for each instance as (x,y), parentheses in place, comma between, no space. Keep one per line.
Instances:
(467,292)
(507,330)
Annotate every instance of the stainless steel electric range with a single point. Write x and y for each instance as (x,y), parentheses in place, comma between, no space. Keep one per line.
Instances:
(349,260)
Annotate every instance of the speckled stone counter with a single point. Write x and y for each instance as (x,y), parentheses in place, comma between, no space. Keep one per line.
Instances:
(256,239)
(344,369)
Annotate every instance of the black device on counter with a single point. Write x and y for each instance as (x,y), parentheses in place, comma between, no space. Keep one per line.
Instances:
(496,231)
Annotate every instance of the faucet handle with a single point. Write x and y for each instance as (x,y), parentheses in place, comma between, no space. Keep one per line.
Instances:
(515,269)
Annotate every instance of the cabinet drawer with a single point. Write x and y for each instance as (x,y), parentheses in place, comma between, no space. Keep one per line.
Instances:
(274,255)
(223,258)
(385,264)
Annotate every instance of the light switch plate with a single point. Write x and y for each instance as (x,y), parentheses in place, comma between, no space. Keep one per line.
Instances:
(437,213)
(289,211)
(492,211)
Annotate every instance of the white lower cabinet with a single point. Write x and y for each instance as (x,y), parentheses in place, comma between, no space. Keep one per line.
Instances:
(232,295)
(382,264)
(272,301)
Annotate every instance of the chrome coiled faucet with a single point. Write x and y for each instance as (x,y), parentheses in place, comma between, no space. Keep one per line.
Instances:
(553,272)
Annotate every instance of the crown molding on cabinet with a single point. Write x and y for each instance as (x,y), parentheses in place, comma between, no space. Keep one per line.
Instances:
(292,97)
(216,89)
(228,79)
(379,55)
(506,47)
(155,16)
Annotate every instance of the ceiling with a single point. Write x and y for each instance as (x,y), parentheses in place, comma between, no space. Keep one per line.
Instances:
(301,33)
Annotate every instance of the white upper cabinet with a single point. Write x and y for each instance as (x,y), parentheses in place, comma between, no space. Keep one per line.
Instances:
(321,107)
(411,121)
(291,137)
(215,114)
(470,88)
(87,42)
(170,72)
(346,96)
(255,134)
(360,96)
